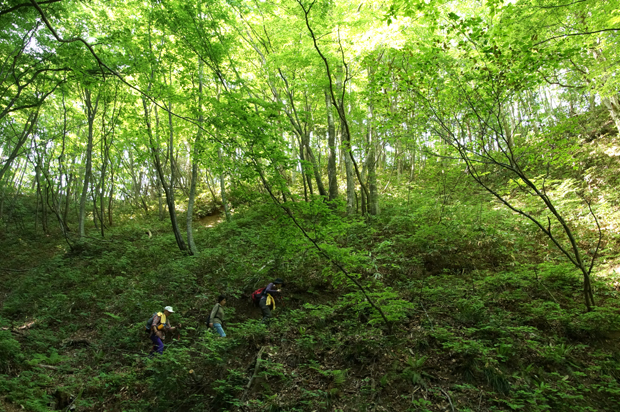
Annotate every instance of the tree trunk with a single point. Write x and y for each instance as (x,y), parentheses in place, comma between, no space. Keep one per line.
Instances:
(160,197)
(304,167)
(331,143)
(363,199)
(371,161)
(37,176)
(44,209)
(91,111)
(346,148)
(137,185)
(97,217)
(315,166)
(194,175)
(23,137)
(110,197)
(399,161)
(223,190)
(613,105)
(106,154)
(350,181)
(190,210)
(168,190)
(412,171)
(65,212)
(208,182)
(304,176)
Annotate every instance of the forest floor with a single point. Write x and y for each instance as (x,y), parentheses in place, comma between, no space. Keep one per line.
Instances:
(480,320)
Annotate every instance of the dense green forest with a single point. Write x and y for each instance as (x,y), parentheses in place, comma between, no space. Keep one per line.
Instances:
(435,182)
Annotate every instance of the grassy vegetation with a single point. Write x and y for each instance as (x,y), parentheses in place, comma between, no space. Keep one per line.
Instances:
(485,316)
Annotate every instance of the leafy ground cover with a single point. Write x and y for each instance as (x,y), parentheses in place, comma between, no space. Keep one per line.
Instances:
(482,317)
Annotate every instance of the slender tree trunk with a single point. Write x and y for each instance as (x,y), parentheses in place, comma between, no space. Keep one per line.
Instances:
(170,192)
(193,250)
(137,184)
(304,166)
(345,146)
(91,111)
(613,105)
(168,189)
(208,181)
(18,184)
(399,161)
(303,172)
(2,195)
(412,168)
(350,182)
(111,197)
(21,139)
(102,187)
(315,166)
(44,210)
(362,197)
(37,171)
(331,143)
(371,161)
(223,190)
(97,218)
(70,178)
(160,197)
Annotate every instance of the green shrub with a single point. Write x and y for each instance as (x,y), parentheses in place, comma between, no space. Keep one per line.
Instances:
(10,353)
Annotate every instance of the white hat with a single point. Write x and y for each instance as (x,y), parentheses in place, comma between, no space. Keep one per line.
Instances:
(169,309)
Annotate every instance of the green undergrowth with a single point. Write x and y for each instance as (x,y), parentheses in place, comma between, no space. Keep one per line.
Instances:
(482,315)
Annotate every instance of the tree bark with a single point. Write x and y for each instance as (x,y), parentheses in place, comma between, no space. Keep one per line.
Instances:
(371,161)
(37,171)
(345,147)
(168,188)
(613,105)
(193,250)
(223,191)
(90,111)
(70,181)
(315,167)
(111,196)
(332,174)
(350,179)
(23,137)
(190,210)
(170,191)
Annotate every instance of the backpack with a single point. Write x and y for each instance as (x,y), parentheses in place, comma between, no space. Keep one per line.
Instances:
(149,322)
(208,319)
(257,295)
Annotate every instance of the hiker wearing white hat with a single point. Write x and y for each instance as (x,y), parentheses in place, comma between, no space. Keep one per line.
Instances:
(159,326)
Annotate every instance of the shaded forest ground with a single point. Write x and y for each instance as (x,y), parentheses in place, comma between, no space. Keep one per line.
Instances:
(485,314)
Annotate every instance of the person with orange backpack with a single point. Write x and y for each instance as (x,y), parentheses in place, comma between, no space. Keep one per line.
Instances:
(267,300)
(158,325)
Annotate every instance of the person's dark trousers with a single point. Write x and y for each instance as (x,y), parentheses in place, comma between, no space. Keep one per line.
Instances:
(158,345)
(265,309)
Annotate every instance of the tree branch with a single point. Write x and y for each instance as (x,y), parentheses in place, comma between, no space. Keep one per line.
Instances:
(19,6)
(575,34)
